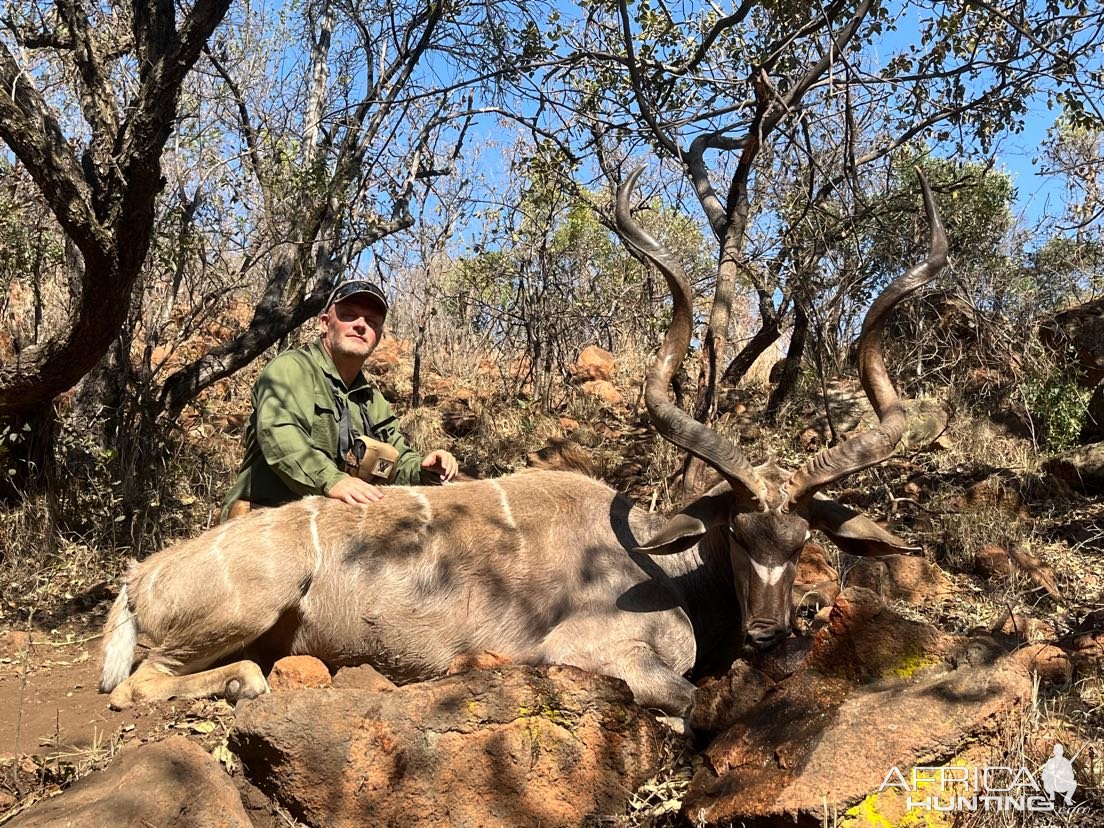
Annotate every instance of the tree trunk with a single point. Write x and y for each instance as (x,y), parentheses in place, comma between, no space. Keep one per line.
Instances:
(791,369)
(768,334)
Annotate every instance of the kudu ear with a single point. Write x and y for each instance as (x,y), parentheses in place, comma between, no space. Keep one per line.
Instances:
(686,527)
(853,532)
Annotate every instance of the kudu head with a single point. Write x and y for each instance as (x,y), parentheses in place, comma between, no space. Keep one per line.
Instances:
(763,514)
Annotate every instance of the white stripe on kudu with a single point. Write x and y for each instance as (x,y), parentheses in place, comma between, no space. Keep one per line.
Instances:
(769,575)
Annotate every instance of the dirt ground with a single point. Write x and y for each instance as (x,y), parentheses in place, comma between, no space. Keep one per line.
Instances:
(49,703)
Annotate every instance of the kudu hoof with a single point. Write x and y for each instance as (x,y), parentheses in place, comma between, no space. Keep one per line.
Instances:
(246,686)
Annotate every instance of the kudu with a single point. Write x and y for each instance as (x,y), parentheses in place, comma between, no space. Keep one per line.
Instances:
(539,567)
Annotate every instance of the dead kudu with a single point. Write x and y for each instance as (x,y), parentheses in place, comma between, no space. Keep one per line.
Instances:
(541,567)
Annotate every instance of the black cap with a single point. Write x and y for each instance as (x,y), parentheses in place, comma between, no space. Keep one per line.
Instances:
(357,287)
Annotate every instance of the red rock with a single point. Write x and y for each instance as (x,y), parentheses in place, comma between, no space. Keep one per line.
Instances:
(876,691)
(908,578)
(1049,662)
(603,390)
(297,673)
(483,660)
(992,562)
(720,702)
(173,783)
(517,746)
(362,677)
(594,363)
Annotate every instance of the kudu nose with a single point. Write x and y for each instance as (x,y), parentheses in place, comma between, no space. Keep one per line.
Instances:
(762,633)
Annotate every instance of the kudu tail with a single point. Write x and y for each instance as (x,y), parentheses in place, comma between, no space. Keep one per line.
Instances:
(119,642)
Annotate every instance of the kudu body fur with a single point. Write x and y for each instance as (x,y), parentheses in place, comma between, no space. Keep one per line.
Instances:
(539,567)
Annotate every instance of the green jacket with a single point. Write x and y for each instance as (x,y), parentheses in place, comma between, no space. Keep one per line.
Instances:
(291,439)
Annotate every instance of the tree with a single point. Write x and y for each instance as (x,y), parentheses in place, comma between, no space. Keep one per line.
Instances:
(731,99)
(549,277)
(123,70)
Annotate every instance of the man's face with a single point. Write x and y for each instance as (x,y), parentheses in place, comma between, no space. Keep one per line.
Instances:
(352,328)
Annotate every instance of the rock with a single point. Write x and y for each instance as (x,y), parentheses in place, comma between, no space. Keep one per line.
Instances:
(1080,330)
(1085,650)
(458,419)
(297,673)
(784,659)
(594,363)
(927,423)
(992,563)
(603,390)
(362,677)
(866,641)
(907,578)
(1049,662)
(1025,628)
(173,783)
(721,702)
(388,356)
(851,412)
(516,746)
(482,660)
(568,424)
(1085,646)
(816,582)
(1081,468)
(1040,574)
(877,691)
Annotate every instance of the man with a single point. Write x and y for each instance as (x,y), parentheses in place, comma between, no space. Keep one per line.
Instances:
(311,404)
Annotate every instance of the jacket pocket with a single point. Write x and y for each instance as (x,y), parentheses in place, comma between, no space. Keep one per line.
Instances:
(325,426)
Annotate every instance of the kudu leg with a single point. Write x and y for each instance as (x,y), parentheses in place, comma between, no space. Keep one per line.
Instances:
(158,682)
(652,681)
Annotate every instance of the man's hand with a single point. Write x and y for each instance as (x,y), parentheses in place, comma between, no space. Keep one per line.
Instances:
(440,462)
(353,490)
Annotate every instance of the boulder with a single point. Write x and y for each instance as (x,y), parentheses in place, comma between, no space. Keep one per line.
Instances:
(991,562)
(1085,645)
(594,363)
(362,677)
(603,390)
(719,703)
(511,746)
(877,691)
(1049,662)
(1080,331)
(816,582)
(850,411)
(298,673)
(907,578)
(1081,468)
(173,783)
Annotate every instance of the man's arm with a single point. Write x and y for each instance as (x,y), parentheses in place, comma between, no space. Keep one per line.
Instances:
(284,401)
